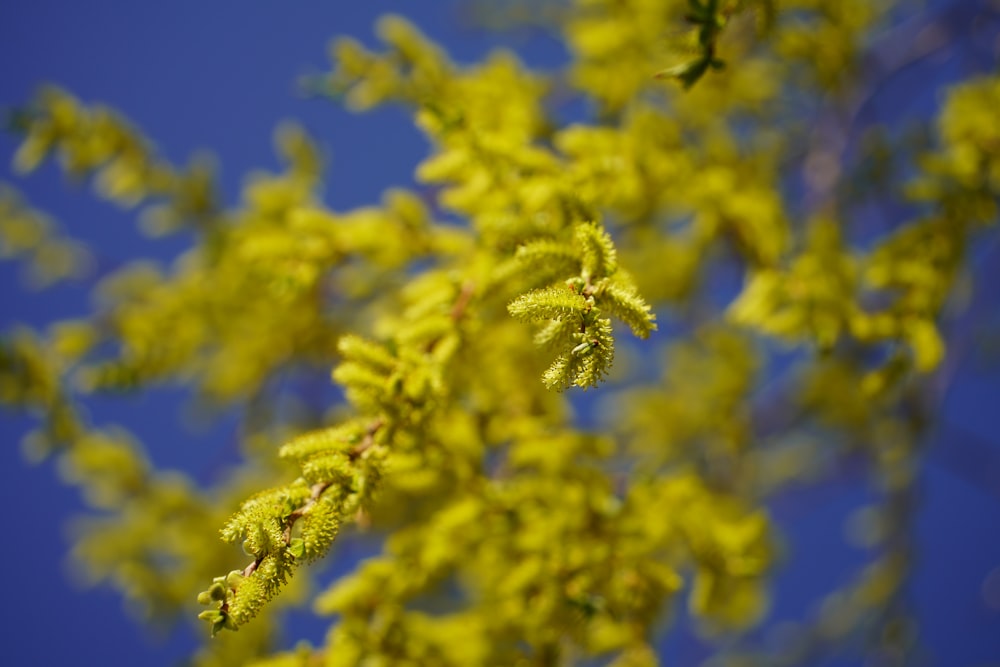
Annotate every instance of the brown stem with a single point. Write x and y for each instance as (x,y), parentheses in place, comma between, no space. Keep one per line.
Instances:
(369,439)
(462,302)
(252,567)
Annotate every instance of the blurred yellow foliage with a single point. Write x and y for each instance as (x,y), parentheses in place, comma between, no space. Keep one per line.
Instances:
(513,535)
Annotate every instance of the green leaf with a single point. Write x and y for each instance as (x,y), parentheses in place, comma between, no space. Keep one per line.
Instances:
(297,547)
(234,579)
(690,72)
(217,592)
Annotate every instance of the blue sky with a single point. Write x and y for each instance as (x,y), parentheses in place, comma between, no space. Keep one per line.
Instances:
(220,76)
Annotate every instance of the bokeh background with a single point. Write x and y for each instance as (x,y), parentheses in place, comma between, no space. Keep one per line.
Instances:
(219,76)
